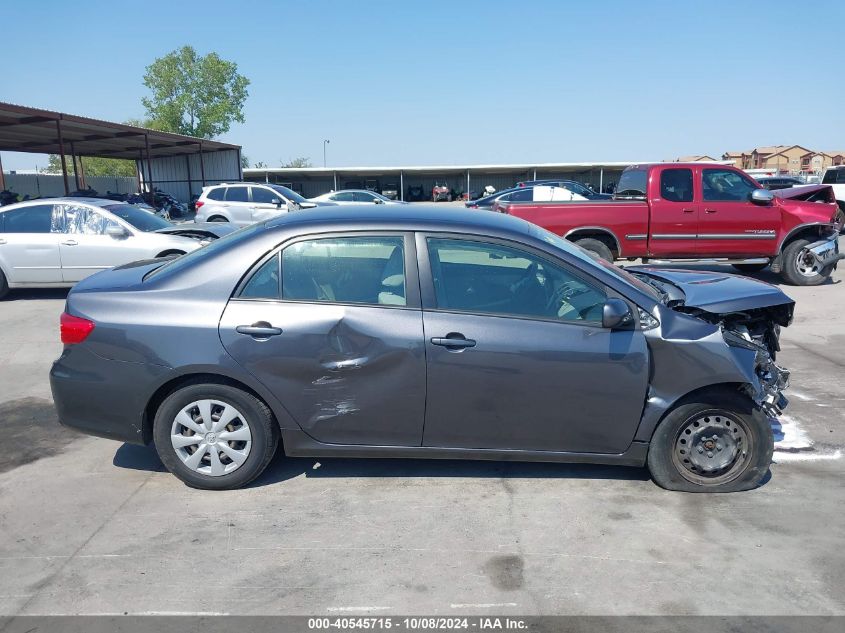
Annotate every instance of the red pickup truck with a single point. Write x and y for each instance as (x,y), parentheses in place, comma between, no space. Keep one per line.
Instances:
(701,212)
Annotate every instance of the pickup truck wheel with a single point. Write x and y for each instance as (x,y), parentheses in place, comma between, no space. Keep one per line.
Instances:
(718,441)
(4,285)
(596,246)
(840,217)
(800,268)
(750,268)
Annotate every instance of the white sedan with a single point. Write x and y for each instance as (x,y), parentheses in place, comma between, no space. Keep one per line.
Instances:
(57,242)
(355,196)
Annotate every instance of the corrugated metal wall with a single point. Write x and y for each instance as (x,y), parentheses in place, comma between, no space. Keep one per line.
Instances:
(182,176)
(52,185)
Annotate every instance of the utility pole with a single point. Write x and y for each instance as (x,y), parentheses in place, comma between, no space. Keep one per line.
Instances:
(325,142)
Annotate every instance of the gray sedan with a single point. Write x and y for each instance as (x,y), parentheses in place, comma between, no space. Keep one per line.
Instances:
(429,333)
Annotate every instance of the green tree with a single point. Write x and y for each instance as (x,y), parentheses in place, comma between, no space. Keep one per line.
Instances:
(92,166)
(300,161)
(260,165)
(194,95)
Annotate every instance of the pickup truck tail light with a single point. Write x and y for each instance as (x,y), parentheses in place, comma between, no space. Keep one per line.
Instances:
(74,329)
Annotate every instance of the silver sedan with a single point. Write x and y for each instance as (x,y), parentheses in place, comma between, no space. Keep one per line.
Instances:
(57,242)
(355,196)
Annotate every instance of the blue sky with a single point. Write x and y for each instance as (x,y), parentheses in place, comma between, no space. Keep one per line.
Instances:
(406,82)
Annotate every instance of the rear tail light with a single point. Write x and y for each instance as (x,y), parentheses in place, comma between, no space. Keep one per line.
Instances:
(74,329)
(198,204)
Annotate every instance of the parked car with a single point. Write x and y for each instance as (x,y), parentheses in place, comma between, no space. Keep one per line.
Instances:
(834,177)
(391,191)
(773,183)
(243,203)
(535,193)
(424,332)
(354,196)
(55,242)
(440,191)
(415,193)
(572,185)
(694,212)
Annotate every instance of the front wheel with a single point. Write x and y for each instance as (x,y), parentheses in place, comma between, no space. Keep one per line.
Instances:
(4,285)
(215,436)
(716,442)
(800,268)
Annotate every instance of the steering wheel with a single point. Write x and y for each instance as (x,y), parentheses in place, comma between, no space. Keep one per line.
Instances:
(562,294)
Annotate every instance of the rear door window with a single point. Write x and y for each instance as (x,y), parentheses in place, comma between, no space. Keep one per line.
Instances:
(345,196)
(237,194)
(676,185)
(32,219)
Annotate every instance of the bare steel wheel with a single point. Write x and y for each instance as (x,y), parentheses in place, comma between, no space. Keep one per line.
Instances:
(712,448)
(211,437)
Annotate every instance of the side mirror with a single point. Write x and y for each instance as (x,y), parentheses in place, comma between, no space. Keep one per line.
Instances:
(117,232)
(762,197)
(615,314)
(278,203)
(378,200)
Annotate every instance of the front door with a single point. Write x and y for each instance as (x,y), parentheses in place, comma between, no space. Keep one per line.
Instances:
(332,326)
(266,204)
(86,249)
(674,221)
(517,357)
(29,244)
(732,225)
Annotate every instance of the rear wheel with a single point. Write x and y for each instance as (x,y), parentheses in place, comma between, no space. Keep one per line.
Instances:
(214,436)
(596,246)
(716,442)
(217,218)
(800,268)
(750,268)
(4,285)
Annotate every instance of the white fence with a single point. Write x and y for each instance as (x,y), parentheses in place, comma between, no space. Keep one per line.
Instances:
(51,185)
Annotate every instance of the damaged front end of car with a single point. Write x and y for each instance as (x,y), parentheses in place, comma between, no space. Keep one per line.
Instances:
(743,314)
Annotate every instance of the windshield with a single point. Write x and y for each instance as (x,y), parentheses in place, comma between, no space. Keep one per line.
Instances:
(290,194)
(140,219)
(594,262)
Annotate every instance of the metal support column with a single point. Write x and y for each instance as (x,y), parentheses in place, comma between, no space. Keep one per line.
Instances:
(402,185)
(62,154)
(601,180)
(240,166)
(81,178)
(535,173)
(202,166)
(188,171)
(468,196)
(75,167)
(2,177)
(149,165)
(335,180)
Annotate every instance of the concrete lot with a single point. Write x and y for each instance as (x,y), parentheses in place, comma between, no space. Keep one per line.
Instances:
(90,526)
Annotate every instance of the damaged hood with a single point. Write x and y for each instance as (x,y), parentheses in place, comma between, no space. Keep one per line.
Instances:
(716,292)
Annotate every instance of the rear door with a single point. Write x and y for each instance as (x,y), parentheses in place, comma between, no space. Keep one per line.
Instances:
(339,338)
(238,204)
(517,357)
(732,225)
(29,244)
(673,229)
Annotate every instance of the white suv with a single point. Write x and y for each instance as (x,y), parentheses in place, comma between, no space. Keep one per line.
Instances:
(835,177)
(245,203)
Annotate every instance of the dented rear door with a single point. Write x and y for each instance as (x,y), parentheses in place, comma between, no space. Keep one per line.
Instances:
(348,373)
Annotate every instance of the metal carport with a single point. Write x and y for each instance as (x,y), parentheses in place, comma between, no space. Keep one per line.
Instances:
(25,129)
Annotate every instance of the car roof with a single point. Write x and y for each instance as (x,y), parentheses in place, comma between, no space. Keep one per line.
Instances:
(331,193)
(406,217)
(94,202)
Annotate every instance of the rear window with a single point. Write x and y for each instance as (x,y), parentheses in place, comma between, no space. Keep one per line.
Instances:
(633,183)
(31,219)
(834,176)
(237,194)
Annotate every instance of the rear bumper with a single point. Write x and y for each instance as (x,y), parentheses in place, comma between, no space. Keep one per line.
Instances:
(101,397)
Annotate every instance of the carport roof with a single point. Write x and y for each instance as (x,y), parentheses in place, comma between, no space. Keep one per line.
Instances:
(25,129)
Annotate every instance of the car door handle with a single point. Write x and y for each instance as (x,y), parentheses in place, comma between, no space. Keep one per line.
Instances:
(456,341)
(689,210)
(70,243)
(259,330)
(709,210)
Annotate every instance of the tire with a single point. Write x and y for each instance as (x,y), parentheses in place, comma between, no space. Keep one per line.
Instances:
(596,246)
(741,435)
(217,218)
(750,268)
(258,444)
(792,270)
(839,218)
(4,285)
